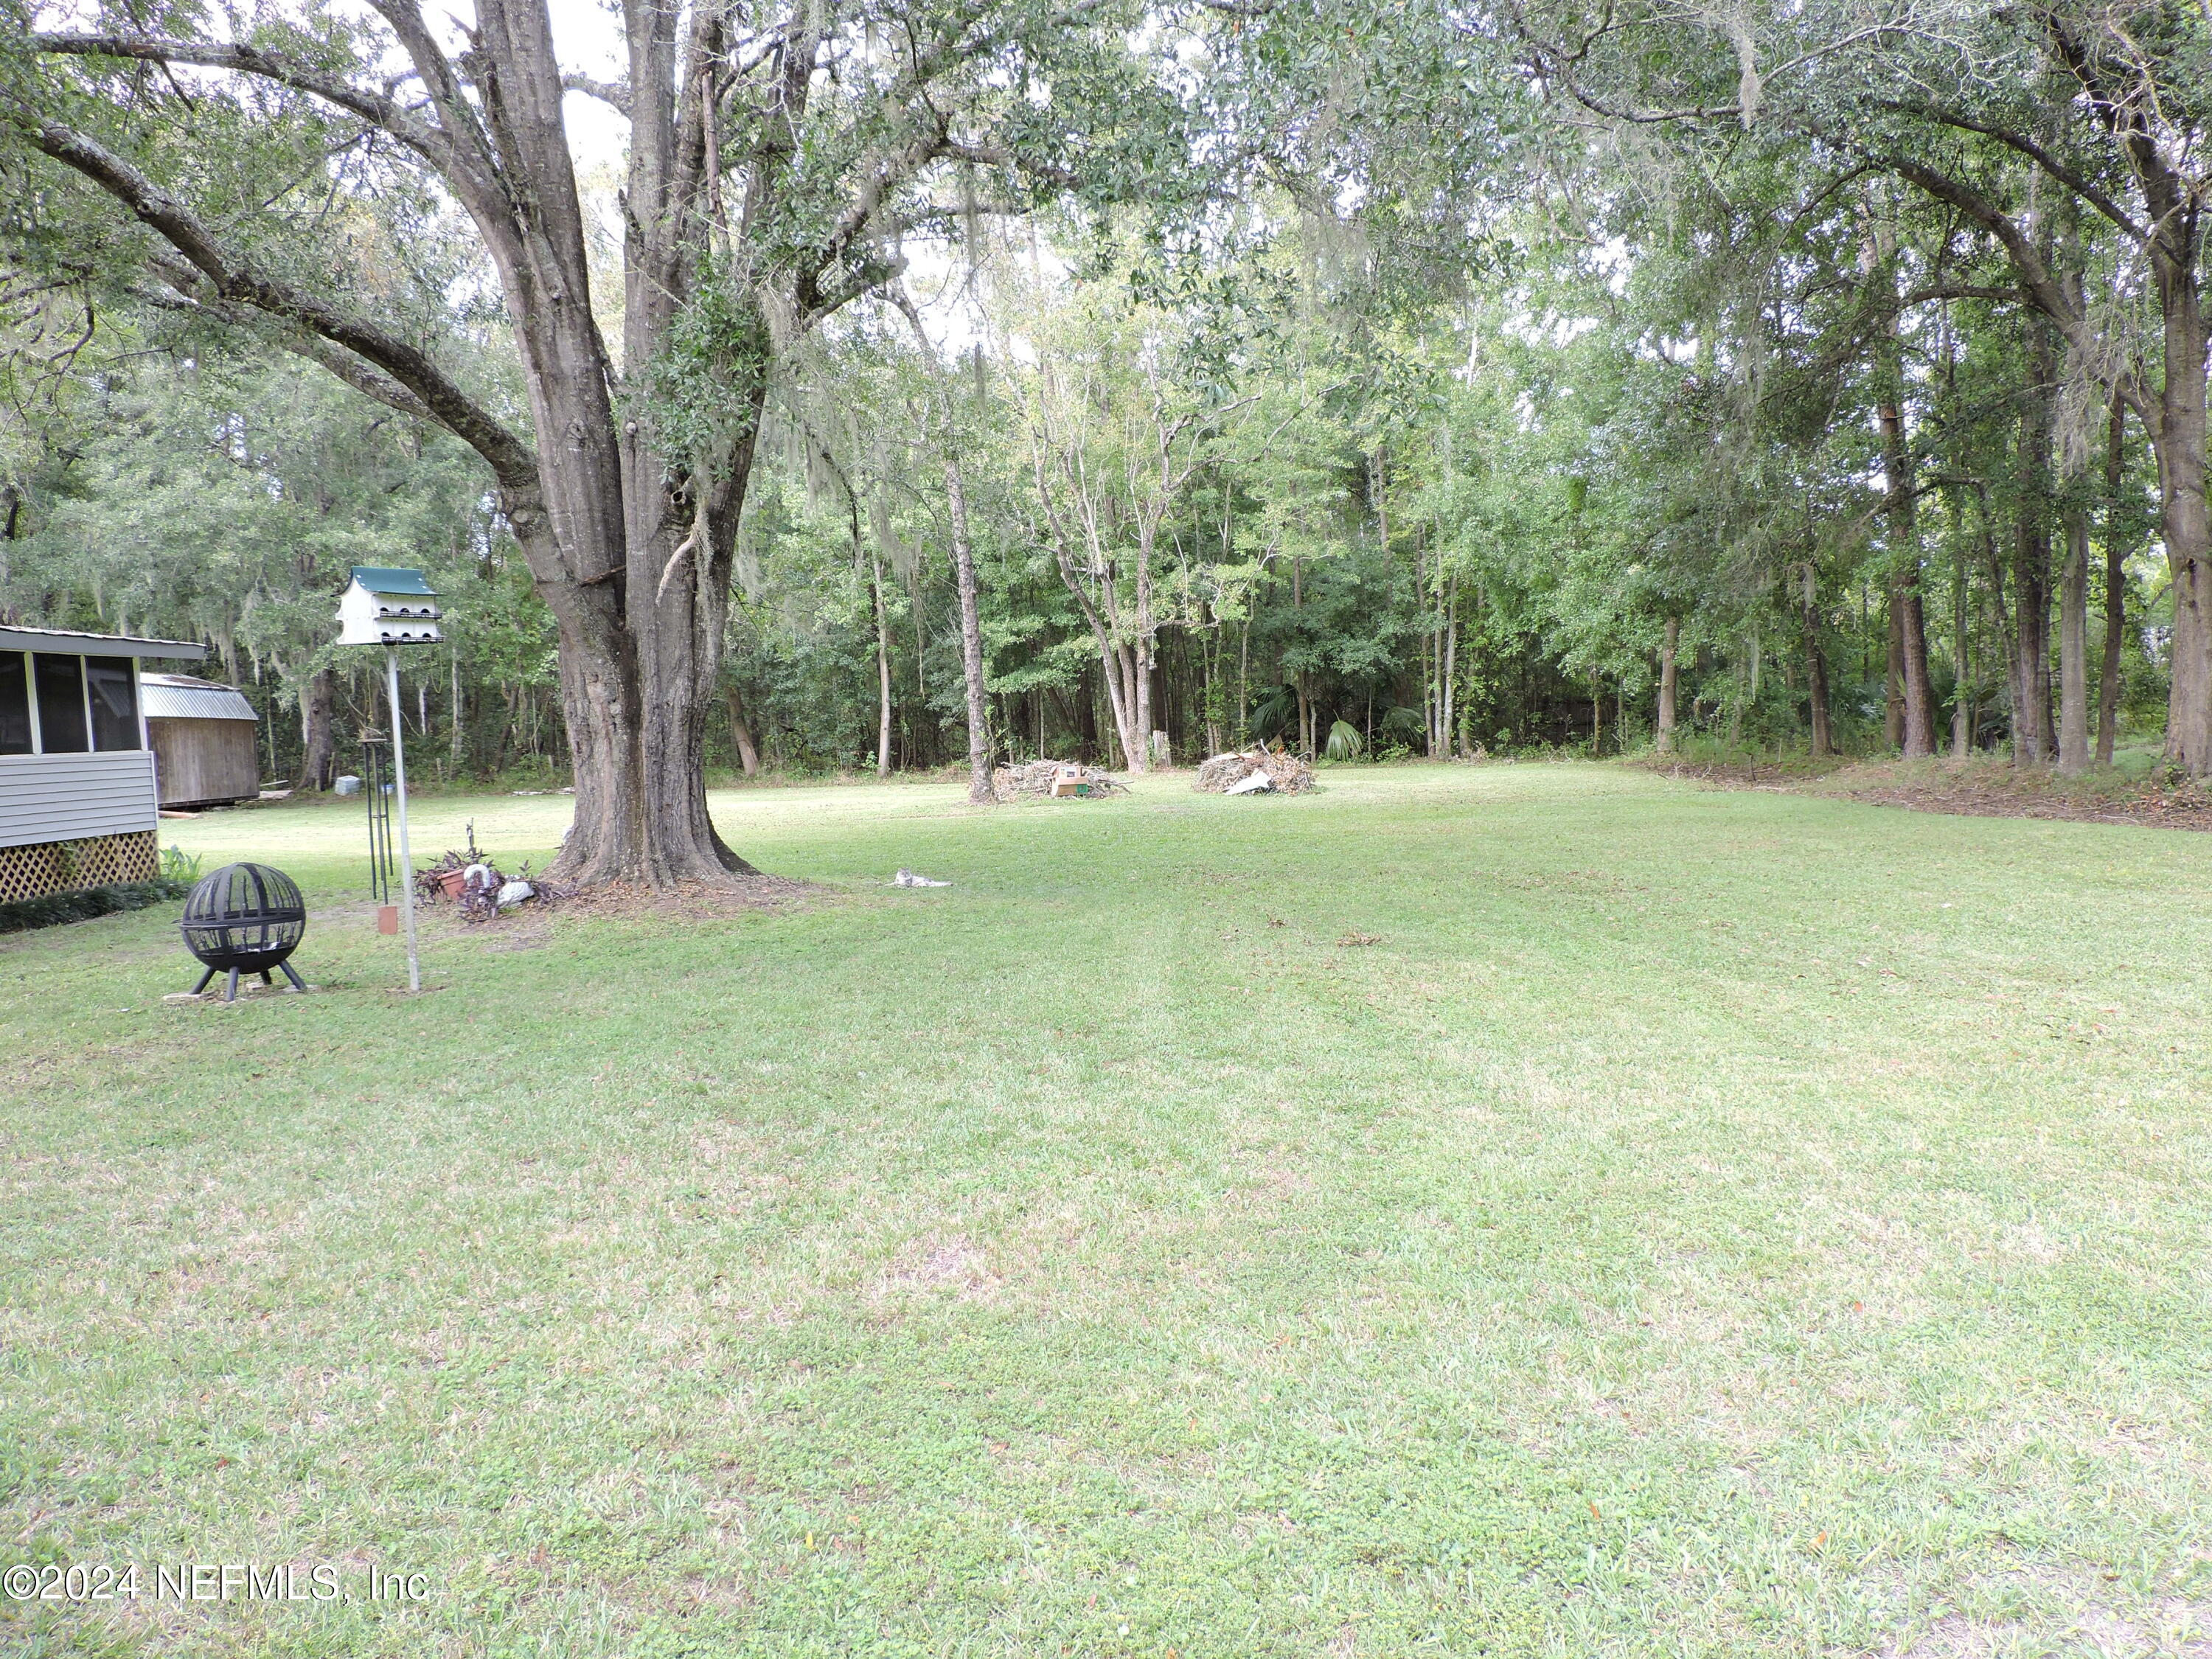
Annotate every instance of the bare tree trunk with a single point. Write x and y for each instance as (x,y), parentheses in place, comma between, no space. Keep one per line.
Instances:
(1920,686)
(2073,733)
(2188,532)
(1962,670)
(2116,589)
(1244,678)
(1816,671)
(1892,700)
(1099,614)
(1451,665)
(2031,742)
(971,632)
(1909,717)
(318,740)
(1666,670)
(741,733)
(1141,667)
(2074,647)
(882,669)
(460,712)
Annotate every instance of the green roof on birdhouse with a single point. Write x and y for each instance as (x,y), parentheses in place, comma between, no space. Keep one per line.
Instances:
(380,579)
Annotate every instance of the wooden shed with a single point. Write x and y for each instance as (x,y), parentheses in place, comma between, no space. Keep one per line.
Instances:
(202,736)
(76,778)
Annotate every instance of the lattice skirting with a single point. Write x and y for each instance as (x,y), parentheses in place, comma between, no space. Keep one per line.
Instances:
(62,866)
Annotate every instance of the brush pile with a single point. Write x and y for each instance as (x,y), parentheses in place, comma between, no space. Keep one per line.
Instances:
(1051,780)
(1233,773)
(480,888)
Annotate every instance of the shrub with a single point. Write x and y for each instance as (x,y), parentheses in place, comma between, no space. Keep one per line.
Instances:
(50,910)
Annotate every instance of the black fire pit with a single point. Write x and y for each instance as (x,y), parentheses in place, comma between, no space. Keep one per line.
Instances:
(245,918)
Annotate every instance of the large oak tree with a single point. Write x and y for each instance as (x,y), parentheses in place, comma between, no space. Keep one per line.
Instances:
(780,157)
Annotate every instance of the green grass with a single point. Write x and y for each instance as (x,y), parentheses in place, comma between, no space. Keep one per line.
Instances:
(1700,1223)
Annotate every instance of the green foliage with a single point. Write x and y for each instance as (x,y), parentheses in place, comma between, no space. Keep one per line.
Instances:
(84,904)
(1345,742)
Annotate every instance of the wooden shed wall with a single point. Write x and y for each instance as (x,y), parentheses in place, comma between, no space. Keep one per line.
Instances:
(202,761)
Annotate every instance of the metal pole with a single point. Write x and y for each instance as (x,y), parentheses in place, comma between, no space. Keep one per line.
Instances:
(399,790)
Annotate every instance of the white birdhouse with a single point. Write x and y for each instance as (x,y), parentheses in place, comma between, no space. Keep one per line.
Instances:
(388,607)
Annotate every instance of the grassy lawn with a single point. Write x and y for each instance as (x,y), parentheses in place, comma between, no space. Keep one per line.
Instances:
(1696,1223)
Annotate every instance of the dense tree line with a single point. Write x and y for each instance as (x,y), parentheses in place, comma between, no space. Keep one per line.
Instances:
(1426,382)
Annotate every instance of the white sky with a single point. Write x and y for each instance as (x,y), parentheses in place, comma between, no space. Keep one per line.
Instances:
(587,33)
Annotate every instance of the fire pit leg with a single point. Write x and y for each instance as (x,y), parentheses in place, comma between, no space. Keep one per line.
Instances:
(203,985)
(231,994)
(292,974)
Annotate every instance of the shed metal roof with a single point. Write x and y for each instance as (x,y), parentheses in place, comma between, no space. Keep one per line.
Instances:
(95,645)
(181,697)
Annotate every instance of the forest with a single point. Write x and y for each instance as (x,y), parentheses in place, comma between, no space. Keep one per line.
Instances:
(908,386)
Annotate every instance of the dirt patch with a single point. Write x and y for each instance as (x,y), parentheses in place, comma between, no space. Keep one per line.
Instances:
(1744,774)
(695,900)
(1974,788)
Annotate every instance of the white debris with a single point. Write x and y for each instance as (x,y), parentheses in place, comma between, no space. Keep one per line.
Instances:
(908,878)
(348,785)
(1257,783)
(512,894)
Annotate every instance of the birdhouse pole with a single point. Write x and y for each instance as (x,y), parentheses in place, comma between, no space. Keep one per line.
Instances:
(393,608)
(399,783)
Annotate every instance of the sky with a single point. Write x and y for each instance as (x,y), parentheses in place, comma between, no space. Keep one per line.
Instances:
(588,36)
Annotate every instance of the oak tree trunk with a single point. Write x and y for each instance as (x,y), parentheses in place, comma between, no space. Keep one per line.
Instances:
(1666,649)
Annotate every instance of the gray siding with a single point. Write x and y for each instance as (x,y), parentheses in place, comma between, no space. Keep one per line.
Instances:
(68,797)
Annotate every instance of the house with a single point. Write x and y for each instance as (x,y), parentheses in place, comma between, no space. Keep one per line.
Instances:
(77,798)
(202,735)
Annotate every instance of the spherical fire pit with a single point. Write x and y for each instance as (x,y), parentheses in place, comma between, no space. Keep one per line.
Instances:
(245,918)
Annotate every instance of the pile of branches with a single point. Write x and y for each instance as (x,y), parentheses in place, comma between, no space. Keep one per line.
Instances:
(482,882)
(1287,773)
(1036,780)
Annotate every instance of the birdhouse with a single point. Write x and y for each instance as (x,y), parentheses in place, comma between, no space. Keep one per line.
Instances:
(388,607)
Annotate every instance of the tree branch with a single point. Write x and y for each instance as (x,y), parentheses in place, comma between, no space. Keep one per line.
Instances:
(1921,296)
(613,93)
(376,108)
(511,460)
(2026,146)
(363,378)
